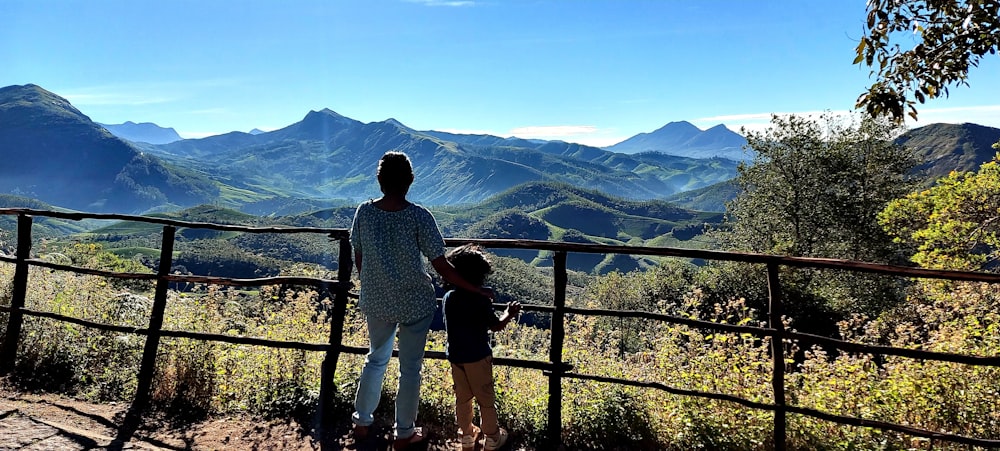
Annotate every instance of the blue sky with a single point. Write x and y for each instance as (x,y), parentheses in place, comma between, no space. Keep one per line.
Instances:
(588,71)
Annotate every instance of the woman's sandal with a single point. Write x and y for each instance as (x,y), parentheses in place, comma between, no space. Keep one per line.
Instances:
(403,443)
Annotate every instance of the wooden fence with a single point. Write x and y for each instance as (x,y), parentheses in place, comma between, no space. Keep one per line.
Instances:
(555,368)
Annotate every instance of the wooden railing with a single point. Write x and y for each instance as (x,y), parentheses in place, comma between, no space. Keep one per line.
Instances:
(555,368)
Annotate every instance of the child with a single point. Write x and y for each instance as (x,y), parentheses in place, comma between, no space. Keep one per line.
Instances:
(391,237)
(468,318)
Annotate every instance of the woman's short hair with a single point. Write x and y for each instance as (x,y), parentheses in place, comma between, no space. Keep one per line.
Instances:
(395,172)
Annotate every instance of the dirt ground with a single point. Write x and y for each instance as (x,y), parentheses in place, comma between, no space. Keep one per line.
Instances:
(53,422)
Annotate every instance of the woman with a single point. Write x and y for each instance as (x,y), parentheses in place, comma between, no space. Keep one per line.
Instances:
(391,236)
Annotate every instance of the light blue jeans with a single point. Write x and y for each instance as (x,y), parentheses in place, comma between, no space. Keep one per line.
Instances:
(412,340)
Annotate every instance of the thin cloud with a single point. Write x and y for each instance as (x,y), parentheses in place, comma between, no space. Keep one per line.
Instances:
(581,134)
(988,115)
(469,131)
(143,93)
(210,111)
(553,130)
(757,122)
(963,109)
(763,117)
(104,99)
(452,3)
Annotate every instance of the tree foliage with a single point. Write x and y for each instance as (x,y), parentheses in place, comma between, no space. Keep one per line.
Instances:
(948,38)
(815,187)
(954,224)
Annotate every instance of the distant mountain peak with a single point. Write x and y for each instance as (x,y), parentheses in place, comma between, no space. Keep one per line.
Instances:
(147,132)
(676,126)
(326,112)
(318,125)
(393,122)
(681,138)
(720,127)
(33,96)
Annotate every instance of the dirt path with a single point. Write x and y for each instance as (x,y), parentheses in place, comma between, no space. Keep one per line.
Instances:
(51,422)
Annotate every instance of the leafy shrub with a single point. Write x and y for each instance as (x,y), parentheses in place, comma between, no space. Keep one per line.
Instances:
(210,378)
(609,418)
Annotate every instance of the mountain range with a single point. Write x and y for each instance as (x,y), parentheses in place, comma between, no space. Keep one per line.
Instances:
(56,154)
(53,152)
(65,159)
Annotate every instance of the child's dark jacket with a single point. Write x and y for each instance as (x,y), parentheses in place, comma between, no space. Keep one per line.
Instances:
(468,318)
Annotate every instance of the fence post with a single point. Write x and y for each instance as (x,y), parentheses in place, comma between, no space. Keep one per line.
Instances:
(327,388)
(777,354)
(148,365)
(555,352)
(8,355)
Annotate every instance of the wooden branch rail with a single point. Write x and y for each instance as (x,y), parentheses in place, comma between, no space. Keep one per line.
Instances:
(555,369)
(917,354)
(253,341)
(840,419)
(697,323)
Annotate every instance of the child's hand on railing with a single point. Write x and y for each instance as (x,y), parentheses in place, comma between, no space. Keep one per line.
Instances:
(513,308)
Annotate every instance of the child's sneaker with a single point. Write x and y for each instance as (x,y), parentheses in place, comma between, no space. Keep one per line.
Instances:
(469,440)
(496,441)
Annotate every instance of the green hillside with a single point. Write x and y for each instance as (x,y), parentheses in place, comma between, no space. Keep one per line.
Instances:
(554,211)
(709,198)
(42,227)
(532,211)
(950,147)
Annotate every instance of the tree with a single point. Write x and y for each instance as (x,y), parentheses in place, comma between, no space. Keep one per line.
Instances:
(953,225)
(815,188)
(949,37)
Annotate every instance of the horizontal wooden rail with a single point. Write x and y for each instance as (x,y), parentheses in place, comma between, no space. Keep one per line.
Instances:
(917,354)
(799,336)
(840,419)
(799,262)
(208,280)
(335,233)
(263,281)
(555,368)
(253,341)
(882,425)
(697,323)
(91,271)
(672,390)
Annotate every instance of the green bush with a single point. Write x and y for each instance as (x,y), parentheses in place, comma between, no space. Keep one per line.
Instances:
(211,378)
